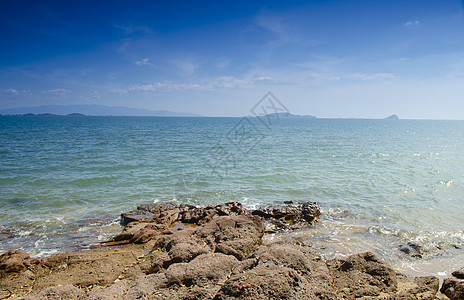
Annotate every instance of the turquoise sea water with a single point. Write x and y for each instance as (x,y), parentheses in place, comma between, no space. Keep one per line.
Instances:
(381,183)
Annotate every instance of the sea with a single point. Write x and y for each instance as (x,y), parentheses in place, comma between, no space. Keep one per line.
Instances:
(65,180)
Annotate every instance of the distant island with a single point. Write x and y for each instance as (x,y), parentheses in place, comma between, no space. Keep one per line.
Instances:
(392,117)
(92,110)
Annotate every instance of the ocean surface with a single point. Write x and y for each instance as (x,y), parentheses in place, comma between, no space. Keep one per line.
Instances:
(380,183)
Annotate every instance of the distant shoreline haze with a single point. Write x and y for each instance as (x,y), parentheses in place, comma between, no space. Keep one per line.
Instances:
(93,110)
(102,110)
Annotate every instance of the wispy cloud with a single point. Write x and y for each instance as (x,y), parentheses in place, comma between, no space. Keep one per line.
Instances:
(92,97)
(143,62)
(206,84)
(411,23)
(118,91)
(272,23)
(371,77)
(185,66)
(12,92)
(56,92)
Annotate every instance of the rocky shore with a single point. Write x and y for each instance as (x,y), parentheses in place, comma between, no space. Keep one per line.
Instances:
(171,251)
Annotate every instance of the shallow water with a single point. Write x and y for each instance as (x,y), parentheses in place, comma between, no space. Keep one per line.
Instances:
(381,183)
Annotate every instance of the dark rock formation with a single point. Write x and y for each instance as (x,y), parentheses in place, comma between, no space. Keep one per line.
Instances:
(412,249)
(453,289)
(459,273)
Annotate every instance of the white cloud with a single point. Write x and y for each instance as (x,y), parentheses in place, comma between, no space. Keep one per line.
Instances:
(143,62)
(56,92)
(379,76)
(411,23)
(186,67)
(118,91)
(369,77)
(93,96)
(12,92)
(206,84)
(272,23)
(165,87)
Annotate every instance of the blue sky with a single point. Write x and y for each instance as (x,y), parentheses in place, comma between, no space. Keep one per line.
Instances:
(366,59)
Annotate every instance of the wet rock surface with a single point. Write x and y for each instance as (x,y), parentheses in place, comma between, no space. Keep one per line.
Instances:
(172,251)
(412,249)
(453,289)
(459,273)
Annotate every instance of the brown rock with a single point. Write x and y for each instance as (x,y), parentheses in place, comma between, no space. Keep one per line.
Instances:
(362,275)
(135,216)
(230,209)
(198,215)
(425,287)
(181,246)
(233,235)
(266,282)
(13,261)
(158,208)
(284,256)
(65,292)
(453,289)
(212,268)
(298,257)
(310,211)
(289,215)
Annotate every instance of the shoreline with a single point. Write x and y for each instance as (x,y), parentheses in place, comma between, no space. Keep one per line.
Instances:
(157,239)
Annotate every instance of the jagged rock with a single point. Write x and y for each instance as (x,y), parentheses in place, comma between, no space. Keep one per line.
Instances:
(13,261)
(181,246)
(150,221)
(198,215)
(459,273)
(266,282)
(310,211)
(135,216)
(65,292)
(290,216)
(362,275)
(425,287)
(211,268)
(158,208)
(212,252)
(285,256)
(293,260)
(230,209)
(453,288)
(234,235)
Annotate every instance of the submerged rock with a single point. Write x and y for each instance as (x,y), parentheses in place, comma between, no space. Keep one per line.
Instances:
(459,273)
(453,288)
(412,249)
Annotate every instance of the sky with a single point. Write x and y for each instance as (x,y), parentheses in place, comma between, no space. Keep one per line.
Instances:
(331,59)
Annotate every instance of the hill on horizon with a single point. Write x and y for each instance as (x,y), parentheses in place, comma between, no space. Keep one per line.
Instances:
(94,110)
